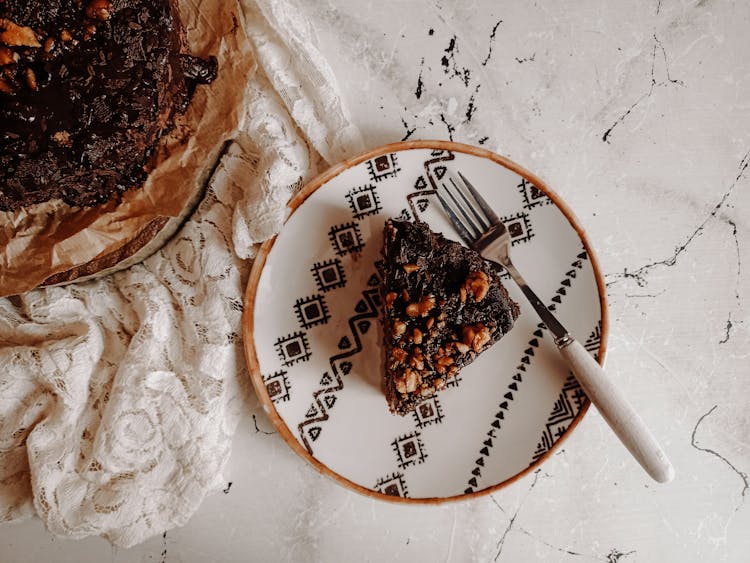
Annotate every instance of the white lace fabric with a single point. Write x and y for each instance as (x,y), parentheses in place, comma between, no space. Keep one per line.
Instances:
(118,397)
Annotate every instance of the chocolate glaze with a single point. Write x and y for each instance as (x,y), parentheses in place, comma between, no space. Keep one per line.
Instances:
(82,112)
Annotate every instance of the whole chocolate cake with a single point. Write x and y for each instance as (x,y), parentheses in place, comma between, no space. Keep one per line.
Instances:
(87,89)
(443,306)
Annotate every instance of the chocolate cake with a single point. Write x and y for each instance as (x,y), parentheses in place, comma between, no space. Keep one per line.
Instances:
(87,89)
(443,306)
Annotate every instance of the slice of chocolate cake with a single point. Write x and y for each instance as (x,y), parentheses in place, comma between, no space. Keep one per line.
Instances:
(443,305)
(87,90)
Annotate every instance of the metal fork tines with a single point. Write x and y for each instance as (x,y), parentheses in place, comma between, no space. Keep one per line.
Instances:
(481,229)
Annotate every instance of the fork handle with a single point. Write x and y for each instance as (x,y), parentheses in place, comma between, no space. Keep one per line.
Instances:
(617,412)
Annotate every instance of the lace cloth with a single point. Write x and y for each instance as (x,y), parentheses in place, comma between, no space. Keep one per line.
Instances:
(119,397)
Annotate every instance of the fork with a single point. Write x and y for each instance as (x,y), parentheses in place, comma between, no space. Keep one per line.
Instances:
(482,230)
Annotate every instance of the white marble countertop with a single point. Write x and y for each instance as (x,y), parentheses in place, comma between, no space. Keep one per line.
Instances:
(638,115)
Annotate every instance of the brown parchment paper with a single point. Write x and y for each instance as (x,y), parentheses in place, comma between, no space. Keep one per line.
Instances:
(52,237)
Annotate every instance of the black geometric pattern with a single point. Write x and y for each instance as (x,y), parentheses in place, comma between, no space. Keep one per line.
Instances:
(277,385)
(409,450)
(532,196)
(439,172)
(293,349)
(364,201)
(454,381)
(312,311)
(428,412)
(418,202)
(565,284)
(434,167)
(566,408)
(329,275)
(393,485)
(346,238)
(332,381)
(594,341)
(514,386)
(519,227)
(383,166)
(568,403)
(405,215)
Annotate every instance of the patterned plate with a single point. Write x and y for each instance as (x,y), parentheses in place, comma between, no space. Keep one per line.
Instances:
(313,337)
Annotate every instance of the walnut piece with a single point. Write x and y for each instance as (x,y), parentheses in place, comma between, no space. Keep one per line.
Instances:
(477,284)
(399,328)
(421,309)
(16,35)
(31,79)
(6,56)
(417,336)
(410,268)
(99,10)
(475,336)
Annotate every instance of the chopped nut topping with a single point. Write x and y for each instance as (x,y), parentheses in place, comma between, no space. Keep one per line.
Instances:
(6,56)
(31,79)
(390,298)
(430,322)
(89,32)
(477,284)
(99,10)
(49,45)
(398,355)
(399,328)
(421,309)
(65,35)
(417,337)
(63,138)
(410,268)
(16,35)
(401,385)
(475,336)
(461,347)
(412,380)
(462,294)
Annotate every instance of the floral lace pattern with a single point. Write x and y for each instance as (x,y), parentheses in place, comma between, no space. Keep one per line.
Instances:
(118,396)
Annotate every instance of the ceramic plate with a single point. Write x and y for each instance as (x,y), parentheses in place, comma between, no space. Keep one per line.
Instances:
(312,330)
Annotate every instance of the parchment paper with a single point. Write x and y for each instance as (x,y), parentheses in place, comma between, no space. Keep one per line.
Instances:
(53,237)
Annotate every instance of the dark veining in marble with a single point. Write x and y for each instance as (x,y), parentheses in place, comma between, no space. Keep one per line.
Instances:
(530,59)
(164,545)
(668,80)
(615,555)
(451,67)
(639,274)
(448,126)
(409,131)
(509,527)
(741,474)
(492,43)
(420,84)
(472,107)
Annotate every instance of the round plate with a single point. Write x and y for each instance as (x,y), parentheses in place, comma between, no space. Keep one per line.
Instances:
(313,337)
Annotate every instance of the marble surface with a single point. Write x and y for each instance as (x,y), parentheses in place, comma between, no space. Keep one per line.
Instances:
(638,115)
